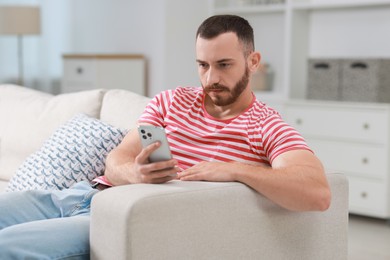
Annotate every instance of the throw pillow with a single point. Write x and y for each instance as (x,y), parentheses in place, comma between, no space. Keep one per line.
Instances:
(75,152)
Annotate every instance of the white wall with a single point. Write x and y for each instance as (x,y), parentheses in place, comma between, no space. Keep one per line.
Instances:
(118,26)
(182,21)
(162,30)
(350,33)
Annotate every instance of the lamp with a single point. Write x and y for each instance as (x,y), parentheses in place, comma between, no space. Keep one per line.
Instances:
(20,20)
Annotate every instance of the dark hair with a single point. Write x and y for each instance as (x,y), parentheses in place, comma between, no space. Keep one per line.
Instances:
(218,24)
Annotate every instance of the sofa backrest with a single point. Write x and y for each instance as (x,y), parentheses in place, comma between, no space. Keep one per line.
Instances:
(28,117)
(122,108)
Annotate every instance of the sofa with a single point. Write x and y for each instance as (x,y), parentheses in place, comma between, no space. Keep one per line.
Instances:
(175,220)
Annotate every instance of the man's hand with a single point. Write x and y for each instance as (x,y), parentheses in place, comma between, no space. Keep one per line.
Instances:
(215,171)
(210,171)
(128,163)
(158,172)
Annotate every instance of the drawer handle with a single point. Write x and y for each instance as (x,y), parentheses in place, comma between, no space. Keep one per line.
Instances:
(364,195)
(322,65)
(79,70)
(366,126)
(365,160)
(359,65)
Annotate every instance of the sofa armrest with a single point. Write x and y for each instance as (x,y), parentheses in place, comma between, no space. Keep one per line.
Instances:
(206,220)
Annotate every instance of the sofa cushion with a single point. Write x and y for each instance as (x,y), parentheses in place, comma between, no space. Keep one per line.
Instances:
(75,152)
(28,117)
(122,108)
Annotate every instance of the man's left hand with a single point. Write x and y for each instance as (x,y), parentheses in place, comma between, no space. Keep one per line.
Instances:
(209,171)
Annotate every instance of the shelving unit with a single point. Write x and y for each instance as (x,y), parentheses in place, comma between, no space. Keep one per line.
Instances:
(288,34)
(350,138)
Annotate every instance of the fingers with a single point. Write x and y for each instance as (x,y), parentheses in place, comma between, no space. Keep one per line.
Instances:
(143,156)
(159,176)
(159,168)
(190,174)
(157,172)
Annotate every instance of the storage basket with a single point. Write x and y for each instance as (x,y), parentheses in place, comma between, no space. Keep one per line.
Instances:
(323,79)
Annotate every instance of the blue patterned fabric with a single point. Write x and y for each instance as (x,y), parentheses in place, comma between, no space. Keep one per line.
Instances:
(75,152)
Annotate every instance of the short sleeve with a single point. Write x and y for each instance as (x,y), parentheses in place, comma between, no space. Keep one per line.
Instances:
(157,109)
(279,137)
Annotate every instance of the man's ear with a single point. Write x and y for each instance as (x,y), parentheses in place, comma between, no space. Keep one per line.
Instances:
(254,61)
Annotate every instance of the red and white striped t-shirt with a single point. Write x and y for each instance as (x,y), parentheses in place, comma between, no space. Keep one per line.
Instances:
(256,136)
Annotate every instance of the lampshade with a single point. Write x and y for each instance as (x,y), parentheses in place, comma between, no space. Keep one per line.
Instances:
(20,20)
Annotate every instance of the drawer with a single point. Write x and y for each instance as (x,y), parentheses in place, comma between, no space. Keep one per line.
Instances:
(80,70)
(368,197)
(339,122)
(367,160)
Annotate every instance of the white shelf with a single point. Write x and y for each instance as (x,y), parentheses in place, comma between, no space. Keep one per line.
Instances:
(319,5)
(288,34)
(251,9)
(299,5)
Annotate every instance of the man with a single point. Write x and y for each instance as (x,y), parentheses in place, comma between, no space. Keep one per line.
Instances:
(280,166)
(218,132)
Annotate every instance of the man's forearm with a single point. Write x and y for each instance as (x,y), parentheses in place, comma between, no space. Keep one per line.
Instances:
(295,181)
(298,188)
(118,169)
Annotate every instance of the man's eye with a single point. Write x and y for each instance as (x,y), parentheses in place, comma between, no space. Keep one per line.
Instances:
(224,65)
(202,65)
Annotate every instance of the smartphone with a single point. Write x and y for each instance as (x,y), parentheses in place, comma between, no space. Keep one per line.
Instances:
(150,134)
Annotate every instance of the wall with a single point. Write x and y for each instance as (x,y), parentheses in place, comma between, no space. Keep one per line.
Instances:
(367,32)
(182,22)
(119,26)
(162,30)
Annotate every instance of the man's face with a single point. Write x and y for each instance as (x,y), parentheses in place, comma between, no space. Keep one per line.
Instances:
(222,68)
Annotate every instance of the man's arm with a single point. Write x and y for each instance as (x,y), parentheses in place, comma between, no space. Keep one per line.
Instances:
(128,163)
(295,181)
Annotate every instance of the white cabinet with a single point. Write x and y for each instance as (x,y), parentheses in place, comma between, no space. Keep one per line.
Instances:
(290,33)
(352,139)
(84,72)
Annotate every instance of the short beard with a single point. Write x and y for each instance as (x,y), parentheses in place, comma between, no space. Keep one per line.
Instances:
(235,93)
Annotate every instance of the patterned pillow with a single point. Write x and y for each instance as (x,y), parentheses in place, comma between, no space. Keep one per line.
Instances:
(75,152)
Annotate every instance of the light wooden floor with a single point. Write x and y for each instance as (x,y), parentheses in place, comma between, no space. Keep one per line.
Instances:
(368,238)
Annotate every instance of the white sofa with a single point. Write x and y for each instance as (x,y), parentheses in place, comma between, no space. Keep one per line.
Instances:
(176,220)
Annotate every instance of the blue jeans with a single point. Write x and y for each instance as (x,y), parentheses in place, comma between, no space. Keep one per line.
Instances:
(46,224)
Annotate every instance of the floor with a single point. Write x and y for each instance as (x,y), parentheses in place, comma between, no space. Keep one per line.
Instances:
(369,238)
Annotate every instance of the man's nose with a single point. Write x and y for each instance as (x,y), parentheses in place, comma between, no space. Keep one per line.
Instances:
(212,77)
